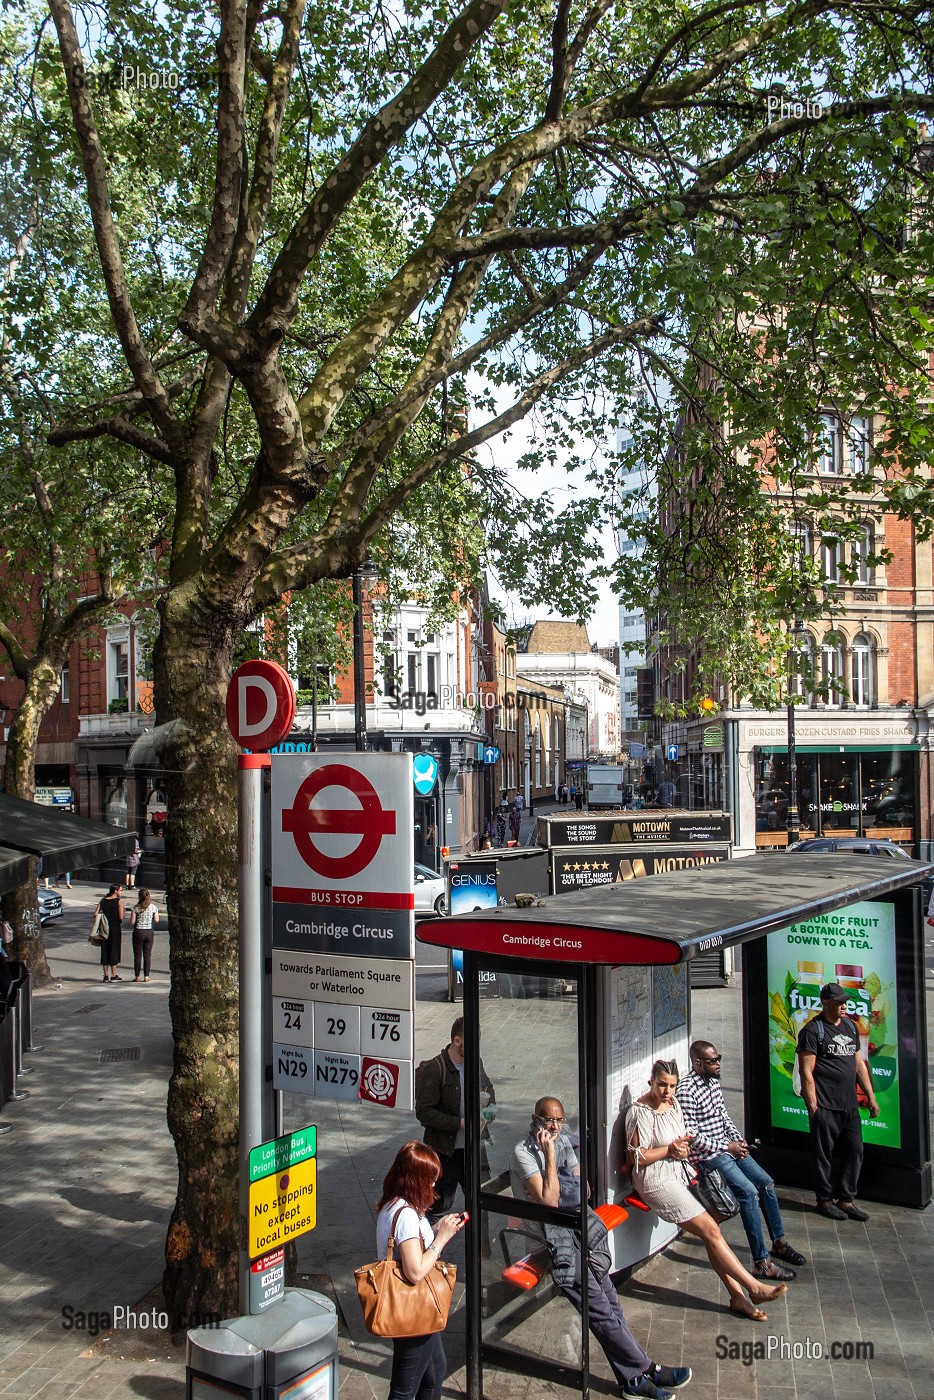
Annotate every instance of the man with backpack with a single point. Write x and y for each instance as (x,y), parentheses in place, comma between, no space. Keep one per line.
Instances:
(439,1107)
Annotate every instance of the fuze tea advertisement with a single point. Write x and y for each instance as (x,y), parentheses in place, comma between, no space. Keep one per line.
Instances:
(856,947)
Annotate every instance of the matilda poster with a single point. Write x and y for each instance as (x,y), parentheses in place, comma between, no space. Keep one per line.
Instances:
(855,947)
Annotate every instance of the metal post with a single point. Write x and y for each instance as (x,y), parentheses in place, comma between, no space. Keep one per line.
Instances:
(359,674)
(251,898)
(793,822)
(14,1010)
(472,1157)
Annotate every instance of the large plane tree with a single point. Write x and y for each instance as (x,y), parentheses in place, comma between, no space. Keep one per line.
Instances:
(343,247)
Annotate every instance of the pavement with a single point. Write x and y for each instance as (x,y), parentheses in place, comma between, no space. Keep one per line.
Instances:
(89,1180)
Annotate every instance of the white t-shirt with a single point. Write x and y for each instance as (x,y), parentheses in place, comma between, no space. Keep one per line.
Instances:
(408,1227)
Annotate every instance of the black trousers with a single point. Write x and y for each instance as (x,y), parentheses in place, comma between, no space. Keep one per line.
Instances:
(418,1368)
(142,950)
(837,1141)
(609,1326)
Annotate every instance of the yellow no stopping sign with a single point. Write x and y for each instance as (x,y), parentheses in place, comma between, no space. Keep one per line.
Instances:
(282,1206)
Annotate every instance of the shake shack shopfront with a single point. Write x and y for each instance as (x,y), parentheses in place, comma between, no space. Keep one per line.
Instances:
(856,777)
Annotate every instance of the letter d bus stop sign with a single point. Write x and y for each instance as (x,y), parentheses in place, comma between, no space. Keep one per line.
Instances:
(260,705)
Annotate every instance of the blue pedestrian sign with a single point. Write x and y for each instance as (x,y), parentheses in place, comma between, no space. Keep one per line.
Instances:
(424,772)
(671,753)
(491,754)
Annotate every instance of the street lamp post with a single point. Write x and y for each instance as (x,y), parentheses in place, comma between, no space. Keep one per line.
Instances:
(363,573)
(793,821)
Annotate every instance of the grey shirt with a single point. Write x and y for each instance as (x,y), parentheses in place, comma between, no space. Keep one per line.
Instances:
(528,1158)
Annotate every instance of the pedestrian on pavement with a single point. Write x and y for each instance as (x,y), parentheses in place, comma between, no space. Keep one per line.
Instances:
(418,1363)
(439,1107)
(111,906)
(520,803)
(515,820)
(831,1065)
(658,1146)
(717,1144)
(666,793)
(500,828)
(132,864)
(579,799)
(544,1169)
(144,919)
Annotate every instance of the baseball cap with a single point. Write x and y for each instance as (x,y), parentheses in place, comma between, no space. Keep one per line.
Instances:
(832,992)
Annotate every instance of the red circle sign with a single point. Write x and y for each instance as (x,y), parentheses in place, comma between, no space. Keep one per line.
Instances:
(370,821)
(260,705)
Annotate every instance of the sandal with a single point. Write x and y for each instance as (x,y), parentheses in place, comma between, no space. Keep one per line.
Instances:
(768,1295)
(756,1315)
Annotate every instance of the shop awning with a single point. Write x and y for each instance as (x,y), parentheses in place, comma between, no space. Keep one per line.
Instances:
(63,840)
(672,918)
(14,869)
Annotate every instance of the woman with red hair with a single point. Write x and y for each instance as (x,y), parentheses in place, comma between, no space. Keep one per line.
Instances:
(418,1363)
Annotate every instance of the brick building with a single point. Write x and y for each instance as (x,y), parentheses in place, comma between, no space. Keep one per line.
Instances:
(863,735)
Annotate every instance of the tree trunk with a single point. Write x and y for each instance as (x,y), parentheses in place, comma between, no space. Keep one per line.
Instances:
(20,906)
(193,663)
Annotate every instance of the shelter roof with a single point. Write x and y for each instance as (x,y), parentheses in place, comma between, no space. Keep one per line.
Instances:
(671,918)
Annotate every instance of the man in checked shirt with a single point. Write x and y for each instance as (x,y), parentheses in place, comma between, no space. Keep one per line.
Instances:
(717,1142)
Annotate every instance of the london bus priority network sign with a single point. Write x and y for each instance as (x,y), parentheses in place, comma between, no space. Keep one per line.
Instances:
(343,926)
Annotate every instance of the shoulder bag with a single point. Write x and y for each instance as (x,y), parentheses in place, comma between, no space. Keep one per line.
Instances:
(714,1194)
(98,935)
(394,1307)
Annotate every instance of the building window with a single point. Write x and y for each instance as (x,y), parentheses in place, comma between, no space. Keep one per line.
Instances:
(830,560)
(858,445)
(118,669)
(64,686)
(800,532)
(389,665)
(802,669)
(431,665)
(862,551)
(828,445)
(413,663)
(832,676)
(861,689)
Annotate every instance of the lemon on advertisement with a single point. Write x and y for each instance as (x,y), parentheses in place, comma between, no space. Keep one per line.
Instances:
(282,1206)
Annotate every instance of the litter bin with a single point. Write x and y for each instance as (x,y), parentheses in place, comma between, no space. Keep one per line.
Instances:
(286,1353)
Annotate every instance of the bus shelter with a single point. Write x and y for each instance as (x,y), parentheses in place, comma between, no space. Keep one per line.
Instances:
(592,988)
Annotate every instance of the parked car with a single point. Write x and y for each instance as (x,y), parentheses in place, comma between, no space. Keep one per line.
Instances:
(431,895)
(50,905)
(860,846)
(857,845)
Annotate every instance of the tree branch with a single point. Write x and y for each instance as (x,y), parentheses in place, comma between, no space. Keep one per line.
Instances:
(108,247)
(297,566)
(116,427)
(228,164)
(278,303)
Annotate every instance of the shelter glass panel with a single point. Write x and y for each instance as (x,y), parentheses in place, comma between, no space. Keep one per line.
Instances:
(530,1086)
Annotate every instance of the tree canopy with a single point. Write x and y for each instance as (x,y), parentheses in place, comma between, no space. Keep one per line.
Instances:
(341,248)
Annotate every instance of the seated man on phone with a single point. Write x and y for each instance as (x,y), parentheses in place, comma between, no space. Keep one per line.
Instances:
(544,1168)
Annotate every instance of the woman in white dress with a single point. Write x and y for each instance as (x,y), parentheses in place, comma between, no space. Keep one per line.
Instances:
(658,1144)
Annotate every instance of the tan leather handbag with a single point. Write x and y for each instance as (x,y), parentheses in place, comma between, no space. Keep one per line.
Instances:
(394,1307)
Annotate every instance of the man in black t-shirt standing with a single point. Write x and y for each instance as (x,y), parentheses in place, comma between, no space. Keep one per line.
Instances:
(828,1050)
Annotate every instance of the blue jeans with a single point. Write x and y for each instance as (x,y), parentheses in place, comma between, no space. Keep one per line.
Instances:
(418,1368)
(752,1187)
